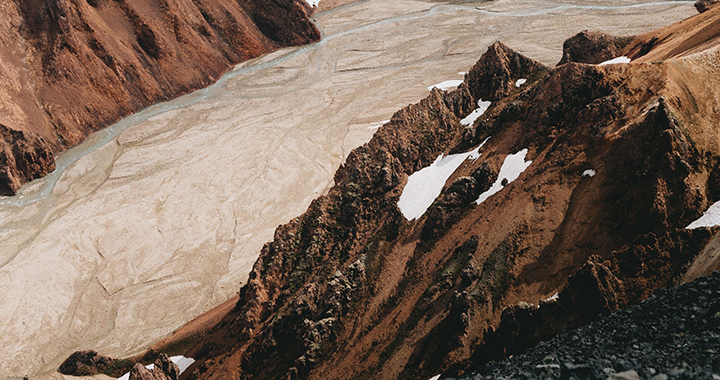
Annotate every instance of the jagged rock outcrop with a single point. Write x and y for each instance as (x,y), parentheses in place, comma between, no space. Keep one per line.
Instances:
(593,47)
(24,156)
(72,67)
(87,363)
(704,5)
(163,369)
(494,76)
(623,158)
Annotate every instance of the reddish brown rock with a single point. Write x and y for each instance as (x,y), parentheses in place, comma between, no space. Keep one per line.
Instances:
(86,363)
(73,67)
(494,76)
(593,47)
(24,156)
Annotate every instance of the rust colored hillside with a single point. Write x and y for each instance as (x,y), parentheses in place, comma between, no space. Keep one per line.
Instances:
(71,67)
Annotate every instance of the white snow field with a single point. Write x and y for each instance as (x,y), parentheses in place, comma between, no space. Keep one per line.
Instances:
(589,173)
(446,85)
(520,82)
(617,60)
(511,169)
(474,115)
(182,362)
(711,218)
(425,185)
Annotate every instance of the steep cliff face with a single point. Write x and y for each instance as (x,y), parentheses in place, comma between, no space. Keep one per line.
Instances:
(614,162)
(71,67)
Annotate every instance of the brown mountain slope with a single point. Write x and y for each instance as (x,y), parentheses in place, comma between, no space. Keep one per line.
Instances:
(353,290)
(71,67)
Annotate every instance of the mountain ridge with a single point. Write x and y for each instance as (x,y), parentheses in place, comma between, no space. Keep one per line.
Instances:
(352,275)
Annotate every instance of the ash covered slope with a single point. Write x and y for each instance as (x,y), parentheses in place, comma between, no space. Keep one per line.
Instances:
(675,333)
(352,289)
(71,67)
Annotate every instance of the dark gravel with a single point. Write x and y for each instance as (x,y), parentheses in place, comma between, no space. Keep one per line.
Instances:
(675,334)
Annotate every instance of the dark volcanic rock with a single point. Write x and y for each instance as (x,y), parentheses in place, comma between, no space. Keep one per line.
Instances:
(592,47)
(675,333)
(704,5)
(86,363)
(591,292)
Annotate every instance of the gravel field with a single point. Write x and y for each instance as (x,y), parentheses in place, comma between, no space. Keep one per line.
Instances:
(675,334)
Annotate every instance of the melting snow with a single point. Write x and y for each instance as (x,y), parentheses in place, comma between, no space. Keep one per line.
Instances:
(425,185)
(313,3)
(470,119)
(613,61)
(520,82)
(378,124)
(589,173)
(511,169)
(711,218)
(182,362)
(448,84)
(554,297)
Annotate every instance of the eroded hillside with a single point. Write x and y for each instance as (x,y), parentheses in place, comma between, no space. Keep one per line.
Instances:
(71,67)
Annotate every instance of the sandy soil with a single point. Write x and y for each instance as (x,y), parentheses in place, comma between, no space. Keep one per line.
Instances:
(132,238)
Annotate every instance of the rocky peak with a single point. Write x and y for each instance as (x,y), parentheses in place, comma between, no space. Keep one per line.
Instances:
(494,76)
(593,47)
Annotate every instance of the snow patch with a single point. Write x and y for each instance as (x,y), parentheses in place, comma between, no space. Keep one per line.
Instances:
(425,185)
(711,218)
(552,298)
(446,85)
(182,362)
(520,82)
(435,377)
(589,173)
(511,169)
(474,115)
(613,61)
(313,3)
(378,124)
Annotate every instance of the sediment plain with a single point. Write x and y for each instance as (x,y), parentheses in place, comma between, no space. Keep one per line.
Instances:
(160,217)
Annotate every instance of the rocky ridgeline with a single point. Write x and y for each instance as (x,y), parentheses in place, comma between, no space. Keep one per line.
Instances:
(71,68)
(675,334)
